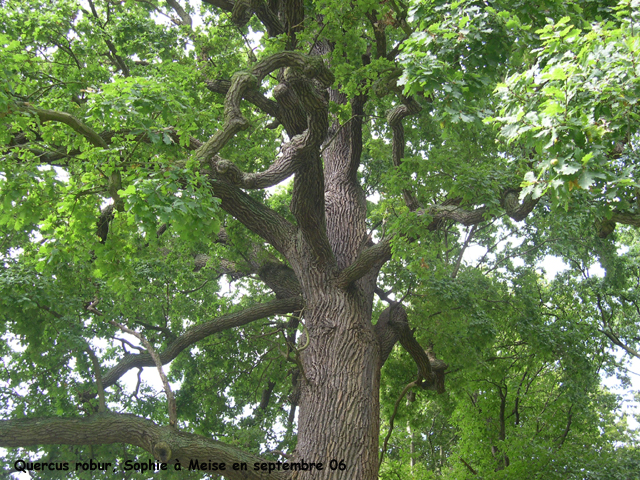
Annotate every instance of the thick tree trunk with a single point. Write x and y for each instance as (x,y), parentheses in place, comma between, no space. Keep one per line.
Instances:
(339,406)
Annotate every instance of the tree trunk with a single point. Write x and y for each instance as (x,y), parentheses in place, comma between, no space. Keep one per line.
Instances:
(339,418)
(339,407)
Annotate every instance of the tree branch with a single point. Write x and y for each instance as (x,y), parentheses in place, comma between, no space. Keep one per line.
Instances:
(184,16)
(407,387)
(243,82)
(379,253)
(515,209)
(165,443)
(393,326)
(394,117)
(226,5)
(268,106)
(281,169)
(301,153)
(608,225)
(171,400)
(199,332)
(102,407)
(616,341)
(45,115)
(258,218)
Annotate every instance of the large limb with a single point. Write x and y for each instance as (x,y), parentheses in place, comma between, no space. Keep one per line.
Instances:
(607,226)
(164,443)
(308,77)
(372,257)
(307,201)
(258,218)
(201,331)
(393,326)
(515,209)
(277,276)
(509,200)
(242,11)
(286,108)
(253,96)
(244,82)
(55,154)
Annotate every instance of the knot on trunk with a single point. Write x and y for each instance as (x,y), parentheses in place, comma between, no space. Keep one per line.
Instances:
(162,451)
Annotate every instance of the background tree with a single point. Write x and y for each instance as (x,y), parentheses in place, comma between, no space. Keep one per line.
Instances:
(141,144)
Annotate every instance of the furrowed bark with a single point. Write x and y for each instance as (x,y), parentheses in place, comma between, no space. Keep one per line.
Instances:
(258,218)
(307,202)
(340,383)
(344,196)
(165,444)
(369,258)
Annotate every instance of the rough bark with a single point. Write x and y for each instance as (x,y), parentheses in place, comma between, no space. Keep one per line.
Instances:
(339,404)
(164,444)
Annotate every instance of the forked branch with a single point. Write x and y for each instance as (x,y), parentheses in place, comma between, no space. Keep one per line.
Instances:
(201,331)
(171,400)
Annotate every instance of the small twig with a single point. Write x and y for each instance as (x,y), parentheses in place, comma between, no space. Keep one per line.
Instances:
(173,413)
(456,268)
(135,393)
(91,307)
(102,407)
(185,292)
(468,466)
(393,416)
(384,295)
(123,341)
(315,39)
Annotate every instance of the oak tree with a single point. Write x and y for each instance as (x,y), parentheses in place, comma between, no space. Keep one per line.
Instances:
(272,195)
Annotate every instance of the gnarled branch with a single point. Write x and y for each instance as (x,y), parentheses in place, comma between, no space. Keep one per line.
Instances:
(509,201)
(393,326)
(395,116)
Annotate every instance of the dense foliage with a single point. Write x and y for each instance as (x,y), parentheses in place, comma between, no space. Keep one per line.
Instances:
(489,139)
